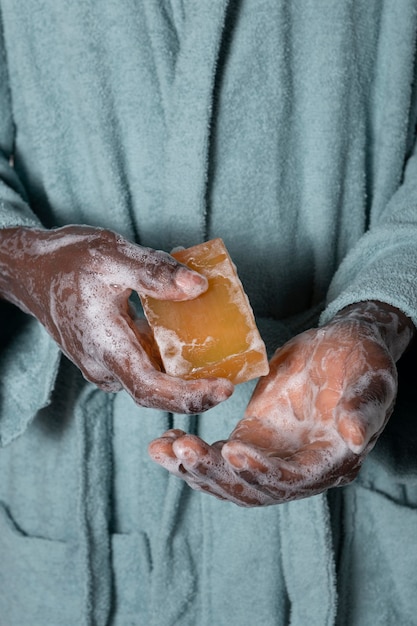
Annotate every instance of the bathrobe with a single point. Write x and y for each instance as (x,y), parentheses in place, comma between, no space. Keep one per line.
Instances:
(288,129)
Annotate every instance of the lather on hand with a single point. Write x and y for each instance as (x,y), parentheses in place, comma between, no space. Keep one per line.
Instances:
(310,422)
(76,281)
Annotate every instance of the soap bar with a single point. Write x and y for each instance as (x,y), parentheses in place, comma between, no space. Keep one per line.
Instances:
(214,334)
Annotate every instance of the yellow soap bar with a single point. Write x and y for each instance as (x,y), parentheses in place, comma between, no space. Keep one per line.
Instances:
(214,334)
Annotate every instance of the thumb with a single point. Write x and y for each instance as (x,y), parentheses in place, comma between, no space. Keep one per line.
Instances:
(364,409)
(154,273)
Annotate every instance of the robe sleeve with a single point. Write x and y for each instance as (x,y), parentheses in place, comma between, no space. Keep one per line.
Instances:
(29,358)
(383,264)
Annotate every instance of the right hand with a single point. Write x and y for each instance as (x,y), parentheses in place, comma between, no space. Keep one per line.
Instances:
(311,421)
(76,281)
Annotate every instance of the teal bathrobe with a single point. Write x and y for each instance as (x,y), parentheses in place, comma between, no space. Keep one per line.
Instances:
(287,128)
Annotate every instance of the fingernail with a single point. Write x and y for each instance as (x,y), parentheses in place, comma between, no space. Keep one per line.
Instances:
(357,435)
(188,455)
(190,282)
(173,433)
(238,461)
(354,434)
(224,389)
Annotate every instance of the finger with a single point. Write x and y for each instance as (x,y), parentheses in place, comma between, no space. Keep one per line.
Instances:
(125,265)
(322,467)
(146,339)
(115,353)
(205,470)
(122,354)
(154,273)
(154,389)
(160,450)
(254,468)
(306,472)
(364,408)
(353,429)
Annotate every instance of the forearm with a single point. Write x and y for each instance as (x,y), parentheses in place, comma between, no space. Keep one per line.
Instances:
(21,265)
(395,329)
(11,263)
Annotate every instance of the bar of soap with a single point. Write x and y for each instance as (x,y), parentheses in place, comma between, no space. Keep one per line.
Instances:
(214,334)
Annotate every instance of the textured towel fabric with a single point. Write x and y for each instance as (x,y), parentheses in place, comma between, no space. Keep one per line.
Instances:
(288,129)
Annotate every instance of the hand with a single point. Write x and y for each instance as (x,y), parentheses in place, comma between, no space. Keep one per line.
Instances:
(310,422)
(77,281)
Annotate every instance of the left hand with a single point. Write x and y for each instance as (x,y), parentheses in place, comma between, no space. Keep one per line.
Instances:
(310,422)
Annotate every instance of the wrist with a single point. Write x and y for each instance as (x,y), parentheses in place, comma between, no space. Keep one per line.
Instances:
(390,325)
(15,263)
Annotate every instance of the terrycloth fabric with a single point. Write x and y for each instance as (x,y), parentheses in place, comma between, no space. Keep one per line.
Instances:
(287,128)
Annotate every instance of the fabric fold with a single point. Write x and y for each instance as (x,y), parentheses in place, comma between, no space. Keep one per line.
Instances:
(93,416)
(307,556)
(29,358)
(189,123)
(29,362)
